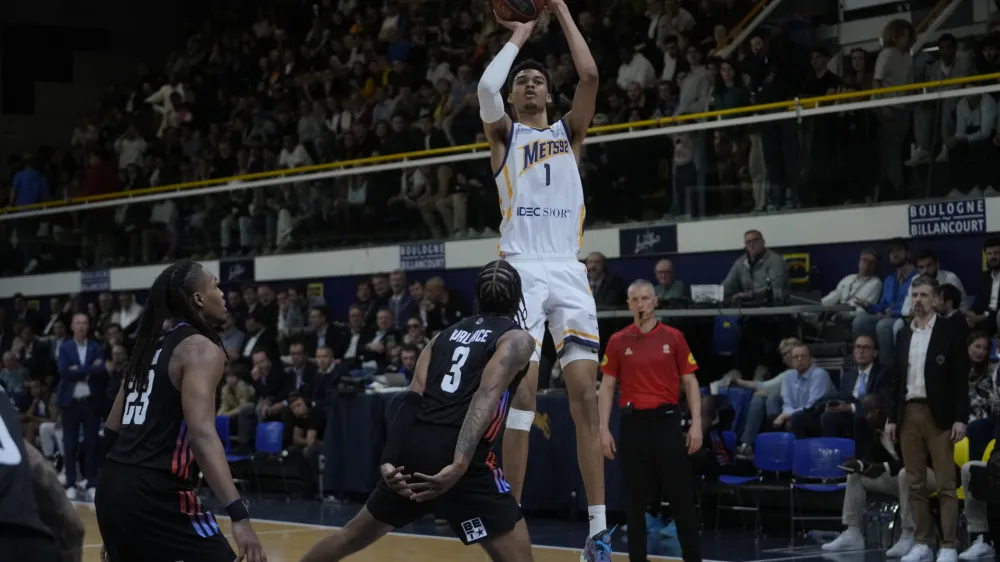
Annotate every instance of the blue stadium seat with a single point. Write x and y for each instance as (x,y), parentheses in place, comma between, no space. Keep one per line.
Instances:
(772,453)
(726,336)
(815,469)
(269,436)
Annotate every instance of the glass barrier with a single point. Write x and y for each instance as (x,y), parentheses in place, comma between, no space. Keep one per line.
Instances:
(850,157)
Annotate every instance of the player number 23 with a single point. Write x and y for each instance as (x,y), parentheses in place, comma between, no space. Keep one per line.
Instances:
(137,403)
(451,380)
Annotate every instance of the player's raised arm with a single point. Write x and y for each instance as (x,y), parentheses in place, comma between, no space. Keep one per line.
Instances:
(54,509)
(496,122)
(585,99)
(512,354)
(202,363)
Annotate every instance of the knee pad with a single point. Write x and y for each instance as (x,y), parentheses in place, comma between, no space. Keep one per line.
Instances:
(573,352)
(520,420)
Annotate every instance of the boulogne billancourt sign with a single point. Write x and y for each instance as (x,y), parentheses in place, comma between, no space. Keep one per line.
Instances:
(948,218)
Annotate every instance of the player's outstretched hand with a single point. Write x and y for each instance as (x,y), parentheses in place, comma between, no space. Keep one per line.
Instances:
(247,544)
(396,480)
(429,487)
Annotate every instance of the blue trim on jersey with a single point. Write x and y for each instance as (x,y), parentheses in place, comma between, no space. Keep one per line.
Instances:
(569,136)
(506,152)
(596,346)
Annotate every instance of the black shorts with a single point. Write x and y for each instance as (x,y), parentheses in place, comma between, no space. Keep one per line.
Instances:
(148,515)
(478,508)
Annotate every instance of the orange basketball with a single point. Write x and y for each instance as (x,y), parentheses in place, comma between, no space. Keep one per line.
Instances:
(519,10)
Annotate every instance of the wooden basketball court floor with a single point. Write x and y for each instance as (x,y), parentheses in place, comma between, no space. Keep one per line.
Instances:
(287,542)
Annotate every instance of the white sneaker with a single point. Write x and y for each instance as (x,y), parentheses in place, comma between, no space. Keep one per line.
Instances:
(71,493)
(90,494)
(851,539)
(978,549)
(947,555)
(902,546)
(919,553)
(920,156)
(61,477)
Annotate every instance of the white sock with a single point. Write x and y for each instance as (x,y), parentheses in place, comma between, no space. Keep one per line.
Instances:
(598,520)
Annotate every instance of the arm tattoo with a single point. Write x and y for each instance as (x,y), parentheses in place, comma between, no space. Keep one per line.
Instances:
(55,510)
(515,356)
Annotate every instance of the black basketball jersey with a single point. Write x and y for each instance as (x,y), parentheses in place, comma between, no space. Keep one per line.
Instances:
(153,433)
(17,496)
(459,355)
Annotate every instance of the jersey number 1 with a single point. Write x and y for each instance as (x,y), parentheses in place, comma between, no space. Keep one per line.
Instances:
(453,378)
(548,175)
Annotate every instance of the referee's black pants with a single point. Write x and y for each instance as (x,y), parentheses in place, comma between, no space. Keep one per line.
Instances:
(654,457)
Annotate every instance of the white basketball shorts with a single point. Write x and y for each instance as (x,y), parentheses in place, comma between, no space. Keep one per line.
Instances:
(557,290)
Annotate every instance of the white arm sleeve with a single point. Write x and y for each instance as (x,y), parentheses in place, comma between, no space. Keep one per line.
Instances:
(490,101)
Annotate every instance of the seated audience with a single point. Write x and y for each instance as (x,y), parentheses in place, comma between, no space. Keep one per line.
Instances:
(301,375)
(801,394)
(982,394)
(843,416)
(304,430)
(766,402)
(880,317)
(236,396)
(948,308)
(983,314)
(878,469)
(855,288)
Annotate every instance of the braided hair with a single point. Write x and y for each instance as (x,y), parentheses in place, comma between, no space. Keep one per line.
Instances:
(169,301)
(498,290)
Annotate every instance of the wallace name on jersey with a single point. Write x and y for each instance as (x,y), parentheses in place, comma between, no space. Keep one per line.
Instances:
(463,337)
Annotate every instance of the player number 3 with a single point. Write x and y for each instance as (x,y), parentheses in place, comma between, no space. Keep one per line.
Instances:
(451,380)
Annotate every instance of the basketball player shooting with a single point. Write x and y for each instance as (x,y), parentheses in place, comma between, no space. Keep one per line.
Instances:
(541,197)
(446,426)
(162,420)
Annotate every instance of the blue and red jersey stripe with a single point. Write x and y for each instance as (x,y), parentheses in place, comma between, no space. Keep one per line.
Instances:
(180,464)
(496,422)
(204,523)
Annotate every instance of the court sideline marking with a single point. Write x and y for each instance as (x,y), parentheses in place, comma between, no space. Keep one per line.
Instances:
(304,526)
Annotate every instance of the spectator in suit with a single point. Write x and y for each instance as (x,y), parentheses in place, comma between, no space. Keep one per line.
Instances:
(320,332)
(801,392)
(386,337)
(81,385)
(444,307)
(301,375)
(983,315)
(259,337)
(325,377)
(608,289)
(947,308)
(400,303)
(879,469)
(22,313)
(930,407)
(268,381)
(880,317)
(366,301)
(128,313)
(844,417)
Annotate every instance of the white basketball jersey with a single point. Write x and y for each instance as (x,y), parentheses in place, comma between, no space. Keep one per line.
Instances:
(541,194)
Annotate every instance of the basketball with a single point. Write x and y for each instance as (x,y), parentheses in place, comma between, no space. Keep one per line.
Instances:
(519,10)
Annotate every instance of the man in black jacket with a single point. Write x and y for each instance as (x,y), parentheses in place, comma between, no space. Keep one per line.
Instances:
(983,315)
(930,405)
(879,469)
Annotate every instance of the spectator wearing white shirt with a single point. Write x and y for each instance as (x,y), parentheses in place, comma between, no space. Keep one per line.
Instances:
(293,154)
(861,286)
(128,313)
(160,231)
(636,68)
(667,17)
(972,152)
(162,100)
(696,87)
(929,266)
(130,148)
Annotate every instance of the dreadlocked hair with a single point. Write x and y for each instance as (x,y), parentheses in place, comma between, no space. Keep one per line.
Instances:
(169,300)
(498,290)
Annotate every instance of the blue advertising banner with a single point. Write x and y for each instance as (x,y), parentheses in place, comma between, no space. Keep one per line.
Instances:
(95,281)
(236,271)
(647,241)
(416,257)
(948,218)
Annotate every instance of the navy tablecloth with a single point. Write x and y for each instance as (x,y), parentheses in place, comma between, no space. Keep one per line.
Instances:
(355,435)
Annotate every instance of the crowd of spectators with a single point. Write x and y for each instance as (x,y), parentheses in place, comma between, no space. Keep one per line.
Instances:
(270,89)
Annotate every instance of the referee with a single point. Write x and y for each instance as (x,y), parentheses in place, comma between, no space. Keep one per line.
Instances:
(649,360)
